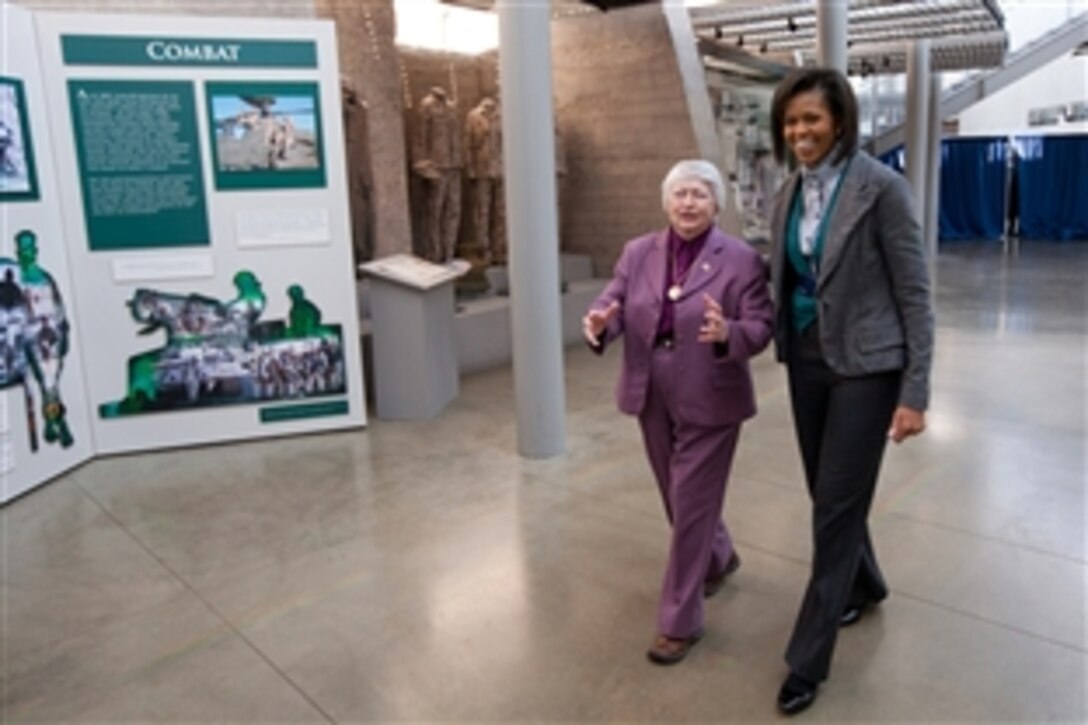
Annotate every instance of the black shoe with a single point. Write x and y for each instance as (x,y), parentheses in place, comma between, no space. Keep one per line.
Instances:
(853,612)
(796,694)
(852,615)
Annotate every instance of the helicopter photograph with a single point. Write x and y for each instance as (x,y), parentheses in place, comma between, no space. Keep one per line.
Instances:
(265,132)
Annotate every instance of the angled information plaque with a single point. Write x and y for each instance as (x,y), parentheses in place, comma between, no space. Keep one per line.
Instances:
(412,271)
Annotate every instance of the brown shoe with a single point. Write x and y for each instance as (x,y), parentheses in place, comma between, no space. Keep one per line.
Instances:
(669,651)
(713,584)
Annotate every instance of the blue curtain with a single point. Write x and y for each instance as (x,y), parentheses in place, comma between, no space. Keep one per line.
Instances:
(973,188)
(1053,186)
(894,158)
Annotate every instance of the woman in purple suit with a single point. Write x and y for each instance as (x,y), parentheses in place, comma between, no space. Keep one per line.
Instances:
(693,306)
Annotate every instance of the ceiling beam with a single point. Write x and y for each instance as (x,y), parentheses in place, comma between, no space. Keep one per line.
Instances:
(857,31)
(734,56)
(979,51)
(712,16)
(885,36)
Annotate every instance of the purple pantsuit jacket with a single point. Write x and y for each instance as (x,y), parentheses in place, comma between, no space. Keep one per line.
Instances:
(711,389)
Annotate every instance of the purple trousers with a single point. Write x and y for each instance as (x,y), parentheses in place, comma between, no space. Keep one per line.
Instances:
(691,464)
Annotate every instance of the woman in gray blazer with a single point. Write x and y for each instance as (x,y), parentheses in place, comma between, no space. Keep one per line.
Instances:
(854,326)
(692,306)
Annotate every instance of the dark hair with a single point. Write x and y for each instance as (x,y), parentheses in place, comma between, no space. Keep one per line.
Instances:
(840,100)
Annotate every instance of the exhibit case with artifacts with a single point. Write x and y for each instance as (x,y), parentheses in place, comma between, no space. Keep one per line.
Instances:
(744,126)
(453,122)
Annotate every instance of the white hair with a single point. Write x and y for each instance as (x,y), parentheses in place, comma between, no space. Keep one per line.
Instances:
(699,170)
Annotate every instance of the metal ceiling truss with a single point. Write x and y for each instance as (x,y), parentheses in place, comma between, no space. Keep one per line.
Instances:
(946,54)
(924,26)
(965,33)
(803,15)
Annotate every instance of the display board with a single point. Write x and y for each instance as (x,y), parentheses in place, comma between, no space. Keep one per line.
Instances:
(44,428)
(204,197)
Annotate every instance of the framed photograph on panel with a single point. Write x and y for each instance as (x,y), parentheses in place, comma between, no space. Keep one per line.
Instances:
(266,135)
(18,177)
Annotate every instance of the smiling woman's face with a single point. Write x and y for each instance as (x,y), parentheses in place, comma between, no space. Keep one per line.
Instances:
(691,207)
(809,128)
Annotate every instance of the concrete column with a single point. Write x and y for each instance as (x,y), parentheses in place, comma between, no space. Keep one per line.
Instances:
(933,182)
(916,148)
(874,105)
(703,122)
(831,24)
(693,77)
(525,76)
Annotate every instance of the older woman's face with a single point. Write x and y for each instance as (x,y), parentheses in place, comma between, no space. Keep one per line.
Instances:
(809,128)
(691,207)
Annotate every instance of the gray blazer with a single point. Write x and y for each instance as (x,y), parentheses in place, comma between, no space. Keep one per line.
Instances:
(873,297)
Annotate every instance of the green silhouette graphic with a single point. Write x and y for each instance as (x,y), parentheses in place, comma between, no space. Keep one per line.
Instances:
(33,338)
(304,316)
(221,353)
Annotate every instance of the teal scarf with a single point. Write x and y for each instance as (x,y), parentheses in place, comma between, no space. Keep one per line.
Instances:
(807,268)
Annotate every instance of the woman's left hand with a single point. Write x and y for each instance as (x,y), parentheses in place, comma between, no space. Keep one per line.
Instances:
(715,328)
(906,422)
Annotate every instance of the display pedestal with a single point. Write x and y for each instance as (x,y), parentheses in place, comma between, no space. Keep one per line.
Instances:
(415,353)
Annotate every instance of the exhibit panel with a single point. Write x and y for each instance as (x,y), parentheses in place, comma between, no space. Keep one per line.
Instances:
(44,428)
(204,196)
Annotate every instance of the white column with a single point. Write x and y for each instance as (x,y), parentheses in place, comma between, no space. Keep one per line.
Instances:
(532,230)
(916,148)
(831,28)
(933,182)
(703,122)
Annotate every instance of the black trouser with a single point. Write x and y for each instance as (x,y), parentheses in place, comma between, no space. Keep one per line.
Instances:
(842,425)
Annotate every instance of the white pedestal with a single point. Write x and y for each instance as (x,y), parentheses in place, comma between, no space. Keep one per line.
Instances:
(414,349)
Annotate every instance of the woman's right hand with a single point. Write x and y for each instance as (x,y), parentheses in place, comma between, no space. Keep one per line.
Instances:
(595,322)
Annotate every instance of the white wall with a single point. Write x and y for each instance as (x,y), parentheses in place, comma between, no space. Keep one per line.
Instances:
(1027,20)
(1061,82)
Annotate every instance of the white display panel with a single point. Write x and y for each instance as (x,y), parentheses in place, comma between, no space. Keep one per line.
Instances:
(173,137)
(44,428)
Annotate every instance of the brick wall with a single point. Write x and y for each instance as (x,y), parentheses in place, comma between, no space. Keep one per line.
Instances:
(365,30)
(624,119)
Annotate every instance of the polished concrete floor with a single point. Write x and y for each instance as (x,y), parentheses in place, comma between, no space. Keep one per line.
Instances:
(424,572)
